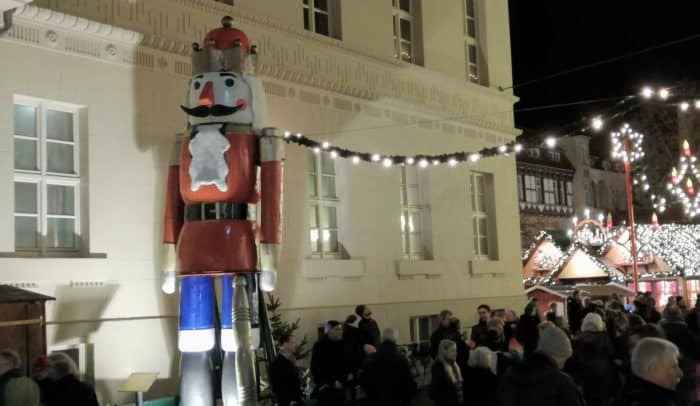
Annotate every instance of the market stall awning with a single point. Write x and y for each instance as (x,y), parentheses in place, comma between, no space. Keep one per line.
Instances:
(607,289)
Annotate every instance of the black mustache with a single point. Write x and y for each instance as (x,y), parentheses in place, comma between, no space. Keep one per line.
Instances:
(215,110)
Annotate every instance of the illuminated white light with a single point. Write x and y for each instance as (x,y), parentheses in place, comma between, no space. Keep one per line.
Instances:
(387,162)
(517,148)
(502,149)
(325,144)
(664,93)
(287,134)
(587,213)
(326,235)
(334,154)
(685,106)
(317,150)
(597,123)
(299,135)
(601,217)
(474,157)
(569,232)
(423,163)
(697,104)
(410,160)
(355,159)
(314,234)
(376,157)
(575,220)
(436,162)
(452,162)
(647,92)
(551,142)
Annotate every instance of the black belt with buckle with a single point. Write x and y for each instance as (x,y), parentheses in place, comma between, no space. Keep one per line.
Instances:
(216,211)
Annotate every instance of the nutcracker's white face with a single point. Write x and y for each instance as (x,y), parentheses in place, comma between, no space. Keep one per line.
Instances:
(219,97)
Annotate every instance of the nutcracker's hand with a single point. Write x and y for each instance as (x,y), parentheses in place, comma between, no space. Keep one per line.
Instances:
(268,263)
(169,260)
(168,285)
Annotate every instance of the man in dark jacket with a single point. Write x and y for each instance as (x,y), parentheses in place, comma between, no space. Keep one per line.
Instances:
(445,331)
(677,332)
(386,376)
(479,329)
(284,374)
(655,374)
(368,325)
(539,379)
(574,309)
(329,370)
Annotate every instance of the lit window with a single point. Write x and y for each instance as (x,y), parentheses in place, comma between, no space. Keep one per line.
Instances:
(481,187)
(471,41)
(46,176)
(404,21)
(323,214)
(411,214)
(421,328)
(532,189)
(549,191)
(569,194)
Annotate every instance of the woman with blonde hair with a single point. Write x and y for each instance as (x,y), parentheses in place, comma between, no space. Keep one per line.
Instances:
(446,385)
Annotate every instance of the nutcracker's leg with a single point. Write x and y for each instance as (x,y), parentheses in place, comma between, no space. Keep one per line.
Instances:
(229,390)
(245,371)
(196,339)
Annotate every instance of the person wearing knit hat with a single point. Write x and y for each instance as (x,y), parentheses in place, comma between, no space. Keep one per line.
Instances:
(554,343)
(539,380)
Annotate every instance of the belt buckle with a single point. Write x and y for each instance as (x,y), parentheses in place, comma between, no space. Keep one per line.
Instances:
(210,211)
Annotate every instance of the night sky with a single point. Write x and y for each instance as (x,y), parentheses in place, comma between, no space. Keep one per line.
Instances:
(552,36)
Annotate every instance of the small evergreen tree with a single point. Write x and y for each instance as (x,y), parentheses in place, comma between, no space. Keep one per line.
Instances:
(279,326)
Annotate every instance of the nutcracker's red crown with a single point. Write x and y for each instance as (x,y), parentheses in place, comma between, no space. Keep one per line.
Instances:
(225,49)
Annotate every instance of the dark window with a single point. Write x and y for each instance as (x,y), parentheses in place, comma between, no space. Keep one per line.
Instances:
(405,29)
(470,8)
(321,23)
(405,5)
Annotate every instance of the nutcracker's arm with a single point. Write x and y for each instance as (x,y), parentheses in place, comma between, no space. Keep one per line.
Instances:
(173,219)
(271,157)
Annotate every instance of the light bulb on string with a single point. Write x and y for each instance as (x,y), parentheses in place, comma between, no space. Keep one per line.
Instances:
(664,93)
(299,135)
(647,92)
(325,144)
(697,104)
(474,157)
(334,154)
(387,162)
(685,106)
(550,142)
(376,157)
(410,161)
(452,162)
(423,163)
(597,123)
(287,134)
(517,148)
(355,159)
(317,150)
(502,149)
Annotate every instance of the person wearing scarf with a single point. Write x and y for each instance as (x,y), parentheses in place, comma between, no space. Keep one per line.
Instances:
(446,385)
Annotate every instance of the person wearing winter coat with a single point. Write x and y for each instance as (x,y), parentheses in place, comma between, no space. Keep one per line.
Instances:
(677,332)
(68,389)
(480,380)
(655,375)
(284,374)
(538,380)
(15,387)
(592,364)
(329,370)
(446,387)
(444,331)
(386,376)
(368,325)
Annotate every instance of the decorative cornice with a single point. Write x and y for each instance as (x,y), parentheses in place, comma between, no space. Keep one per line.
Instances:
(83,25)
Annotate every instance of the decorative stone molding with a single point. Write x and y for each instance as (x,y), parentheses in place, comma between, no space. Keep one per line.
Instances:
(294,55)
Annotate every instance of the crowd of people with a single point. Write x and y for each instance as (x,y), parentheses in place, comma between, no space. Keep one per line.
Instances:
(604,353)
(55,382)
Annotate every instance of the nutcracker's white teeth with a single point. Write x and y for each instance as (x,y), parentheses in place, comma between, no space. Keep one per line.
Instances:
(208,166)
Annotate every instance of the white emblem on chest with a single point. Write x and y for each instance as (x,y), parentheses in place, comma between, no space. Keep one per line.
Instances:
(208,166)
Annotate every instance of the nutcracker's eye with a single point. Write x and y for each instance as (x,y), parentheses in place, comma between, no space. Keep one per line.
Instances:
(229,82)
(197,85)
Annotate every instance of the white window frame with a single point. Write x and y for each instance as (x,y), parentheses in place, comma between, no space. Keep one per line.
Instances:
(569,193)
(318,203)
(309,6)
(406,211)
(477,216)
(521,188)
(549,191)
(471,43)
(399,14)
(532,189)
(414,328)
(42,178)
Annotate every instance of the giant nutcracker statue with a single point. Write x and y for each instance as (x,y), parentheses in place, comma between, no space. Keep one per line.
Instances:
(210,225)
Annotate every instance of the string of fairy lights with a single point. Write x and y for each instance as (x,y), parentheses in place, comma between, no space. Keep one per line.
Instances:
(633,151)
